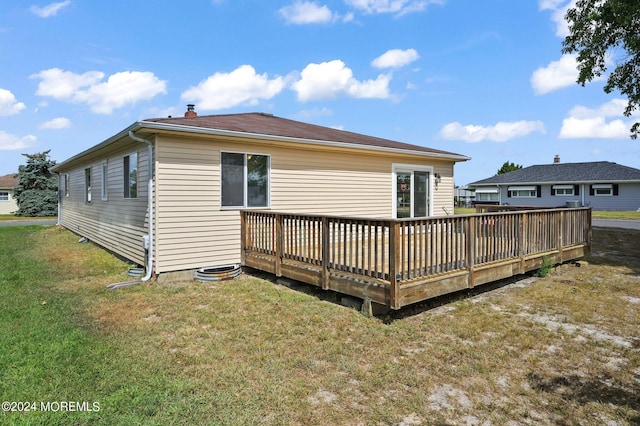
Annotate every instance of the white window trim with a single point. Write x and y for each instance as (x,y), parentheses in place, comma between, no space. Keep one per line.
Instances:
(515,190)
(8,196)
(127,173)
(564,189)
(244,206)
(410,168)
(103,181)
(88,185)
(607,186)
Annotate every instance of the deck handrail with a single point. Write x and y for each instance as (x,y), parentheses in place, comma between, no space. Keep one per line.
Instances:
(395,252)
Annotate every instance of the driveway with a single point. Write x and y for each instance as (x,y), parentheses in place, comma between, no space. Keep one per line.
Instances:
(616,223)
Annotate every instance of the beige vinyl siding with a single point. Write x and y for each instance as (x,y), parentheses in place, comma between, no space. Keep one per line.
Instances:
(194,231)
(8,206)
(117,224)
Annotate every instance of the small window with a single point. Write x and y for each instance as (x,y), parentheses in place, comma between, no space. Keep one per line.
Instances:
(4,196)
(103,182)
(131,176)
(523,191)
(66,185)
(602,190)
(245,180)
(87,185)
(487,195)
(563,190)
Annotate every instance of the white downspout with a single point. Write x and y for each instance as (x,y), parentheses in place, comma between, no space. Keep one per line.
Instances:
(149,205)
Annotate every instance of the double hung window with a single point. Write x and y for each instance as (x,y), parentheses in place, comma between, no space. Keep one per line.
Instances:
(245,180)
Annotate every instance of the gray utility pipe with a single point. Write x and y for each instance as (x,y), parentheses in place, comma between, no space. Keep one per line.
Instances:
(149,266)
(149,205)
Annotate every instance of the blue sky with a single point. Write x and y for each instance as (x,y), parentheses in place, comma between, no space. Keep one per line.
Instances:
(485,79)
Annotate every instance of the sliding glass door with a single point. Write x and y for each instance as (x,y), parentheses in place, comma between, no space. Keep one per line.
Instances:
(411,192)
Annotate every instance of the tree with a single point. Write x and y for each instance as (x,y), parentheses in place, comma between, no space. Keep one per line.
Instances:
(599,28)
(508,167)
(37,189)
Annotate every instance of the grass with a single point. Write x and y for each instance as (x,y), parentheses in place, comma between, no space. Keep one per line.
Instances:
(563,349)
(11,217)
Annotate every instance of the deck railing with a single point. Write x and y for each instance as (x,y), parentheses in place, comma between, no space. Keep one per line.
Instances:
(400,252)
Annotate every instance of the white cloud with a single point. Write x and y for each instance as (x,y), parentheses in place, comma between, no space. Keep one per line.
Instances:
(501,132)
(65,85)
(306,12)
(395,58)
(556,75)
(558,10)
(397,7)
(11,142)
(123,88)
(56,123)
(588,123)
(329,80)
(226,90)
(593,128)
(120,89)
(9,104)
(49,10)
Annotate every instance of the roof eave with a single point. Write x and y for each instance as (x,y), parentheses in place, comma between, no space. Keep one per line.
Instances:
(139,125)
(134,127)
(232,133)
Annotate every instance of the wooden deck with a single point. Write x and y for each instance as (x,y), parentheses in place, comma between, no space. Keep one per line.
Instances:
(397,262)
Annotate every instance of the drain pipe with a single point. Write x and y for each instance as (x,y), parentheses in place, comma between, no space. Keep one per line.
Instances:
(147,240)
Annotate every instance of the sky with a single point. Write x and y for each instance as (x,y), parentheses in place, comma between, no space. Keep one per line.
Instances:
(485,79)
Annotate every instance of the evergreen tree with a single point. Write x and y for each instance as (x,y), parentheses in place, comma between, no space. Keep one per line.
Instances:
(37,189)
(508,167)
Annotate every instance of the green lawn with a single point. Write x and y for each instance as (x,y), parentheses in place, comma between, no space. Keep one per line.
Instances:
(5,217)
(557,350)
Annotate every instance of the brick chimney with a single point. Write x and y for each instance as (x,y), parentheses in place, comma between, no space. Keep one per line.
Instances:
(556,159)
(191,112)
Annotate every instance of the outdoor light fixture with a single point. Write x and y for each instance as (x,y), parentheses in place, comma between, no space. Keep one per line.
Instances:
(438,178)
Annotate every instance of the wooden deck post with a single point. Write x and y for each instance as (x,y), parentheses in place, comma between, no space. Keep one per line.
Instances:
(471,249)
(394,262)
(243,237)
(326,252)
(560,239)
(279,243)
(522,240)
(588,232)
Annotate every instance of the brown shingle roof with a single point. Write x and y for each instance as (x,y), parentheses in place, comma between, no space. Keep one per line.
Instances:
(8,181)
(268,124)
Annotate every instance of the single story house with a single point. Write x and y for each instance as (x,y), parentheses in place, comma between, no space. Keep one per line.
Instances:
(8,203)
(167,192)
(601,185)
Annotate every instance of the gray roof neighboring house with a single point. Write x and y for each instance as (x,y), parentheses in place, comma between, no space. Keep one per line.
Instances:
(592,172)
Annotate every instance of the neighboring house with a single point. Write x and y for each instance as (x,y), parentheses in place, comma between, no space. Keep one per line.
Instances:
(464,197)
(8,203)
(601,185)
(201,170)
